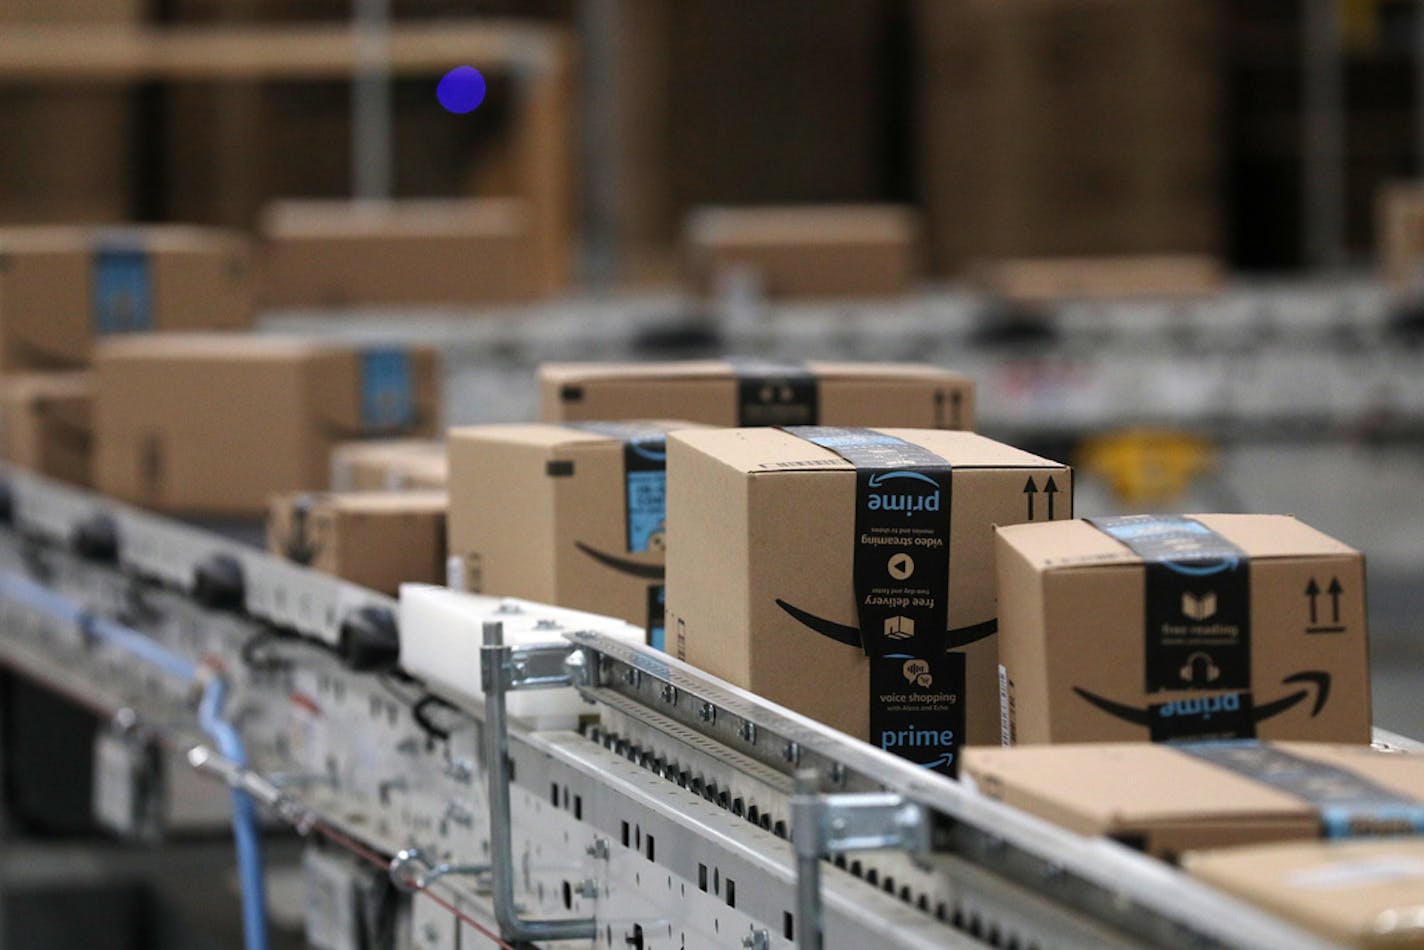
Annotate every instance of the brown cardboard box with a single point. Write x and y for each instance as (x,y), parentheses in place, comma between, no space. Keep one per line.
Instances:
(1067,127)
(64,288)
(216,424)
(375,539)
(806,251)
(1043,280)
(785,563)
(1168,799)
(1355,893)
(1399,219)
(1259,627)
(340,253)
(388,465)
(46,423)
(568,515)
(759,392)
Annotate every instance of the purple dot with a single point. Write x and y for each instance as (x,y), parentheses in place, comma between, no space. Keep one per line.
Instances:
(461,90)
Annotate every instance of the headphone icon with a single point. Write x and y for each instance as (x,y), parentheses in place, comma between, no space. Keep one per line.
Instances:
(1200,666)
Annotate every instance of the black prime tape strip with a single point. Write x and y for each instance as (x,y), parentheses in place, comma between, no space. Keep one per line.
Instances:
(772,393)
(900,570)
(1197,626)
(1349,804)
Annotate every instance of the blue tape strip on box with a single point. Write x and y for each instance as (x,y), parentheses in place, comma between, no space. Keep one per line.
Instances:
(1350,805)
(122,285)
(387,389)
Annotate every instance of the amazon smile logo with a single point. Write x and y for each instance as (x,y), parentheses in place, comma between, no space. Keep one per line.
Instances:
(851,635)
(1319,680)
(624,565)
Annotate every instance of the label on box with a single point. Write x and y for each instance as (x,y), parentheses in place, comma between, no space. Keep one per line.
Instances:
(1197,628)
(122,284)
(771,393)
(387,389)
(1350,805)
(901,571)
(1008,718)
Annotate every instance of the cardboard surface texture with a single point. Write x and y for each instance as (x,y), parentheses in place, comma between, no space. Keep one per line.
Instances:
(63,289)
(46,424)
(1399,213)
(744,392)
(1266,638)
(388,465)
(1043,280)
(217,424)
(339,253)
(563,515)
(805,251)
(787,565)
(376,539)
(1358,893)
(1067,127)
(1166,800)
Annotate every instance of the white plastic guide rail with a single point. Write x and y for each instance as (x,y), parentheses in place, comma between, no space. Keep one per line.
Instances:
(633,830)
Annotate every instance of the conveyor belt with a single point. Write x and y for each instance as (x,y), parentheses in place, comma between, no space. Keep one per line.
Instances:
(664,821)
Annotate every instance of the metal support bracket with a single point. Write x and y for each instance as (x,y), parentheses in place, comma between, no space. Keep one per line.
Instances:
(543,666)
(502,669)
(832,824)
(406,874)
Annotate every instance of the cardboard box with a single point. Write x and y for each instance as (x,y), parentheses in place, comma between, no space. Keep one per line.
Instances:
(572,515)
(1399,217)
(800,563)
(376,539)
(1182,627)
(341,253)
(216,424)
(1044,280)
(745,392)
(62,289)
(805,251)
(1169,799)
(388,465)
(1354,893)
(46,424)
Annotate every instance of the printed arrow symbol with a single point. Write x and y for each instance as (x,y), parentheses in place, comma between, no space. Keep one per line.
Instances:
(954,400)
(1312,590)
(1050,490)
(1334,591)
(939,409)
(1030,489)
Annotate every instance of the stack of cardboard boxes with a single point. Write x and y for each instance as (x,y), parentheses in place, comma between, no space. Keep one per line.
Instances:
(64,290)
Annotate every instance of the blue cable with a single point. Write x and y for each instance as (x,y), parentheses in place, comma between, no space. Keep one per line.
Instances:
(244,816)
(131,641)
(210,716)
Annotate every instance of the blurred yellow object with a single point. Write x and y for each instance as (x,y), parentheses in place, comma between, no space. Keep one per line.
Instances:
(1359,24)
(1148,466)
